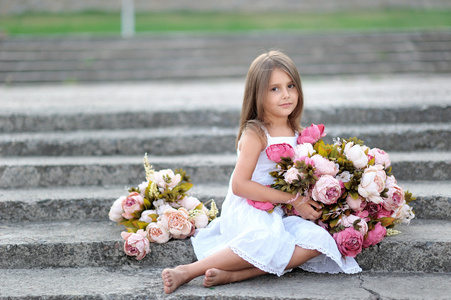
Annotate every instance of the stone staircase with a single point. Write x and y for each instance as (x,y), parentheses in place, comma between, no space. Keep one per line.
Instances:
(200,56)
(66,153)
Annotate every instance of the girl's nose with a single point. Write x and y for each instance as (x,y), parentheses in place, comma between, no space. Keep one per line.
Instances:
(285,93)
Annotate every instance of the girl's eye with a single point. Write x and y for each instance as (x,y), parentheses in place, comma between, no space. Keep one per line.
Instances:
(275,89)
(291,86)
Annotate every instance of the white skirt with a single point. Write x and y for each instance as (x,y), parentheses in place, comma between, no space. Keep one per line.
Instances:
(267,240)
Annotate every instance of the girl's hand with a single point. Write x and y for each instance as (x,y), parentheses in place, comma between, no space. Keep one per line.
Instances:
(309,210)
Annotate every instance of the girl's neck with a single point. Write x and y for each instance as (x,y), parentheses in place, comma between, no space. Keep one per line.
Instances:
(279,129)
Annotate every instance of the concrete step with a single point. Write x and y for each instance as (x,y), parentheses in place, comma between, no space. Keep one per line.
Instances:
(139,283)
(390,99)
(93,203)
(203,168)
(220,72)
(79,203)
(65,244)
(207,56)
(182,140)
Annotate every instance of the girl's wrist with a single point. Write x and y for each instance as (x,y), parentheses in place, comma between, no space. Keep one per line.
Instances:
(293,199)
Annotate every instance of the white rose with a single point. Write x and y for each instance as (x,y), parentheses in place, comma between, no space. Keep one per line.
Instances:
(201,220)
(305,149)
(344,177)
(357,156)
(372,184)
(404,213)
(145,216)
(142,187)
(161,206)
(347,147)
(166,179)
(190,202)
(116,210)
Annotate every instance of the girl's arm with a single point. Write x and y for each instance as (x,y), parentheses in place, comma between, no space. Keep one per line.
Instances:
(243,186)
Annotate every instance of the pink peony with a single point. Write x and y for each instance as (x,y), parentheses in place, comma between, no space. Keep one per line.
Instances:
(372,183)
(132,203)
(348,221)
(349,241)
(307,160)
(327,190)
(311,134)
(291,175)
(177,223)
(324,166)
(157,233)
(380,157)
(355,204)
(166,179)
(275,152)
(136,244)
(375,236)
(395,198)
(266,206)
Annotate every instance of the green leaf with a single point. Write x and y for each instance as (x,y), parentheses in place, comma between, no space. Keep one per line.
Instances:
(387,221)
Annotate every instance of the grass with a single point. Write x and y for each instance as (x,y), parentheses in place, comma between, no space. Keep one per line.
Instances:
(109,23)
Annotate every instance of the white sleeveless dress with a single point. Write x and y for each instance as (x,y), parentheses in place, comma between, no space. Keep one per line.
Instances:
(267,240)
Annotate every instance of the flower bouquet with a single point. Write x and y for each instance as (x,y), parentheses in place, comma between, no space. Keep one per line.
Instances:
(159,209)
(360,198)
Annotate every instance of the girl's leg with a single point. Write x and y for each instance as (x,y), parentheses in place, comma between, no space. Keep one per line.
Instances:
(225,260)
(216,276)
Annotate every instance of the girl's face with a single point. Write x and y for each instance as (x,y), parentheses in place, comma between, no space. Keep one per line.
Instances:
(281,97)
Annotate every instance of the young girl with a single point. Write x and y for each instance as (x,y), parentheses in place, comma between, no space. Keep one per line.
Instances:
(245,241)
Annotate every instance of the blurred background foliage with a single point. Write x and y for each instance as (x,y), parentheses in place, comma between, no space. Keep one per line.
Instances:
(101,23)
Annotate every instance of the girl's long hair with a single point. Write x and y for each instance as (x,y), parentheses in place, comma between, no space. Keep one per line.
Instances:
(256,89)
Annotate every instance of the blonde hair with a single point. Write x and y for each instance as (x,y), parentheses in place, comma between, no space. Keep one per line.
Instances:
(255,92)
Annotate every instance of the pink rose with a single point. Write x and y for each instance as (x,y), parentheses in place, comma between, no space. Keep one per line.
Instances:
(291,175)
(349,241)
(348,221)
(326,190)
(355,204)
(395,198)
(157,233)
(380,157)
(177,223)
(132,203)
(375,236)
(266,206)
(275,152)
(311,134)
(324,166)
(136,244)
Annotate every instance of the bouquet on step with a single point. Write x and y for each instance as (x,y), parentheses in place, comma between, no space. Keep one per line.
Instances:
(159,209)
(360,198)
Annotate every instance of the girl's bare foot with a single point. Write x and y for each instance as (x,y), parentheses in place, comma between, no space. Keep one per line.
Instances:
(173,278)
(217,277)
